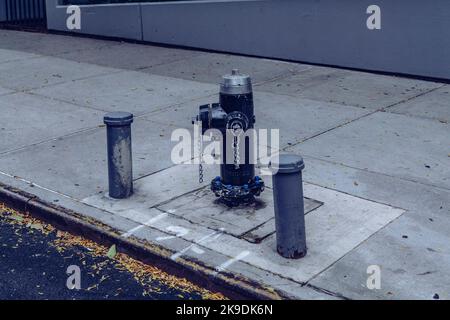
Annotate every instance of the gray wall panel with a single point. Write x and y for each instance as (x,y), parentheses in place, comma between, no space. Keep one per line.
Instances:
(113,20)
(414,38)
(2,10)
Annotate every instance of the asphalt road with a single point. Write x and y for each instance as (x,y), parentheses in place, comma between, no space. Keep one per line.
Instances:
(35,257)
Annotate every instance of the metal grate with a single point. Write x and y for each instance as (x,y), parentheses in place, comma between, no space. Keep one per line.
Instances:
(26,13)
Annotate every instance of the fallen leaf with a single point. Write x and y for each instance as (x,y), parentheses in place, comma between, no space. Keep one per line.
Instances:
(37,226)
(16,217)
(112,252)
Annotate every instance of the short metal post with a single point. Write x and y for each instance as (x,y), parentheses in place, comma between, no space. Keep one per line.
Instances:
(289,207)
(120,168)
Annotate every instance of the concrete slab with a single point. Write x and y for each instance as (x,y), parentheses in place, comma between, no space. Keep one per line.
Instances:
(22,124)
(4,91)
(13,55)
(377,187)
(18,40)
(75,165)
(352,88)
(188,244)
(209,67)
(255,222)
(267,229)
(222,265)
(272,110)
(396,145)
(131,91)
(334,229)
(402,260)
(433,105)
(413,258)
(48,44)
(41,72)
(129,56)
(310,117)
(252,223)
(156,188)
(174,237)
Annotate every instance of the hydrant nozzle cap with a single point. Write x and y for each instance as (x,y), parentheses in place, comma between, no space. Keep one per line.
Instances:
(236,83)
(287,163)
(118,118)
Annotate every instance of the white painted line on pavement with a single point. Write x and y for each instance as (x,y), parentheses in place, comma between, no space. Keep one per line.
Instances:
(214,235)
(178,233)
(229,262)
(146,224)
(36,185)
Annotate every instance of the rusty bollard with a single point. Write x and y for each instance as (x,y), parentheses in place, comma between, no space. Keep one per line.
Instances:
(289,205)
(120,164)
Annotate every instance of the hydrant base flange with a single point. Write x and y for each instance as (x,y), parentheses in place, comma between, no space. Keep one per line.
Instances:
(233,196)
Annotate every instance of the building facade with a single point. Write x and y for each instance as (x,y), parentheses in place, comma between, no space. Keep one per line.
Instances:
(409,37)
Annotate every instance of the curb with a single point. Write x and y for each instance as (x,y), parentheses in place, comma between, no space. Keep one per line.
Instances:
(231,285)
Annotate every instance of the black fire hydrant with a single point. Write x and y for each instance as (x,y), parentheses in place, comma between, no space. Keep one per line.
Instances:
(234,117)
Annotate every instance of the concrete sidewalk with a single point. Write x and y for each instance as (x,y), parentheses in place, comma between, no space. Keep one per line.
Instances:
(377,153)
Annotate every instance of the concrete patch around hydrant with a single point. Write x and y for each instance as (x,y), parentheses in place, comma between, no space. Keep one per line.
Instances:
(337,224)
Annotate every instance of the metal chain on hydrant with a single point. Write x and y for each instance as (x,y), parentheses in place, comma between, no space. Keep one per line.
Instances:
(236,152)
(200,158)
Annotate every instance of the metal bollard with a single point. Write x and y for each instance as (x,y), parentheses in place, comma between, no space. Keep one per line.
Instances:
(289,207)
(120,168)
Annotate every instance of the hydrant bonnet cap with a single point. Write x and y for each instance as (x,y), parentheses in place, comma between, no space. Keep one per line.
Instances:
(236,83)
(287,163)
(118,118)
